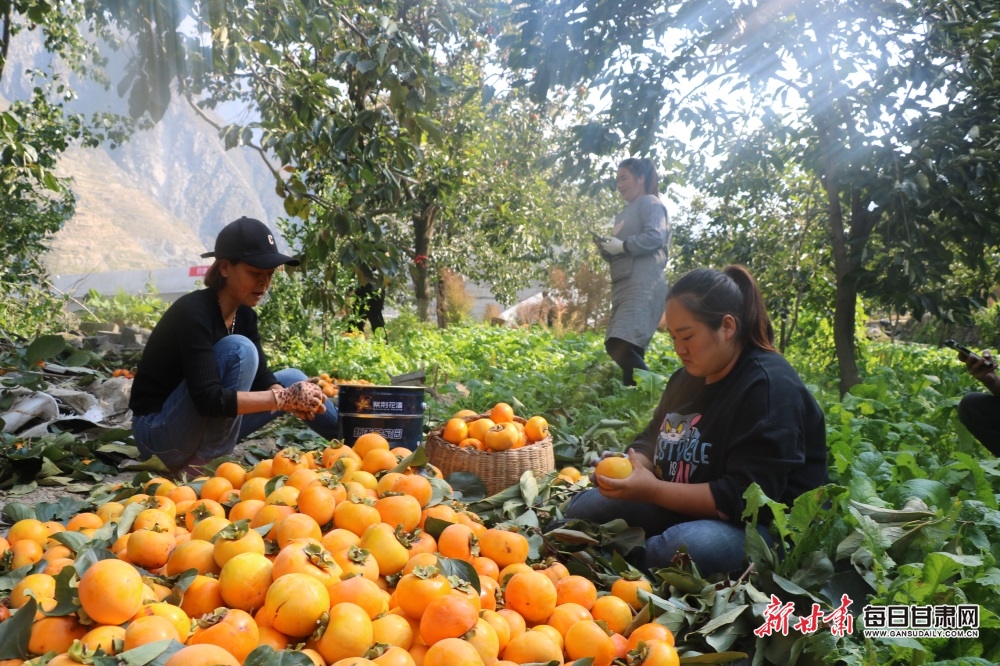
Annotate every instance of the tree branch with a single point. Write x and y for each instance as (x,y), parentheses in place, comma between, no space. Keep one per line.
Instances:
(204,116)
(5,45)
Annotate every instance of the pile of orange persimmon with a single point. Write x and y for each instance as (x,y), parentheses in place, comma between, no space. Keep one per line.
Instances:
(331,385)
(324,553)
(496,430)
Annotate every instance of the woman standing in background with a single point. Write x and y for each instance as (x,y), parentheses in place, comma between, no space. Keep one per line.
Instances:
(637,252)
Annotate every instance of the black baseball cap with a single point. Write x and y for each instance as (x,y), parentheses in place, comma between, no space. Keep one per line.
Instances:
(249,240)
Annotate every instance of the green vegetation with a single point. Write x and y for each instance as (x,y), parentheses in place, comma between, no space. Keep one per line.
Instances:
(410,140)
(911,515)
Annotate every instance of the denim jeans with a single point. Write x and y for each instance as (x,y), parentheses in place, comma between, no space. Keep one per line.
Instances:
(179,432)
(716,546)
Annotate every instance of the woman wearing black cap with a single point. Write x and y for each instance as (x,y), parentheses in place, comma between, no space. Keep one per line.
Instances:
(203,383)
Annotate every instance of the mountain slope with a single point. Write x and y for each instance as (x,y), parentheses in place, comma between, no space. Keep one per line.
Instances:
(158,200)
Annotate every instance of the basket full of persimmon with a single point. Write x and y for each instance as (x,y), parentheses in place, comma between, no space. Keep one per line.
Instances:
(498,446)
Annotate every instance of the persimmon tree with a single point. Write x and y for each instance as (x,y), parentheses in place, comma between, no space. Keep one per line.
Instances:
(891,107)
(374,122)
(771,220)
(483,205)
(35,129)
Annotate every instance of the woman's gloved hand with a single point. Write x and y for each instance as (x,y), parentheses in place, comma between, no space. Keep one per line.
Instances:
(613,245)
(302,399)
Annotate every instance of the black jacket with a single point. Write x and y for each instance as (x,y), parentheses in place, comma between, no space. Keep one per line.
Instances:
(758,424)
(180,350)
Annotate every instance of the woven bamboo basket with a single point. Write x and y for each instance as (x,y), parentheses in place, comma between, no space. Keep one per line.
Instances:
(497,469)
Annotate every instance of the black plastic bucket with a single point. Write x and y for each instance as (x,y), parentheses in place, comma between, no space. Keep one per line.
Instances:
(395,412)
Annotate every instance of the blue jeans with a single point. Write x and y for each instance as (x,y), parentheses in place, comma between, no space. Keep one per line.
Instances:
(716,546)
(179,432)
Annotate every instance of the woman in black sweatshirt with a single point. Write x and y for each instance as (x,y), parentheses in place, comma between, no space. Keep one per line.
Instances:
(737,413)
(203,382)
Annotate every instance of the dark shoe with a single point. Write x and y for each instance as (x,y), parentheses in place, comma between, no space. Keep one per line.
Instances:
(555,525)
(191,470)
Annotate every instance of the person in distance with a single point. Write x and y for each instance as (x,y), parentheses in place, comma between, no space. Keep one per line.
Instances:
(203,382)
(978,411)
(637,254)
(736,413)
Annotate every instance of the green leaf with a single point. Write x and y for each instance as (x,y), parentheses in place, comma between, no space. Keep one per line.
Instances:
(470,486)
(67,598)
(78,357)
(263,530)
(429,126)
(723,620)
(529,487)
(265,655)
(120,449)
(45,347)
(686,583)
(416,459)
(572,537)
(274,483)
(62,510)
(89,556)
(434,526)
(933,493)
(441,491)
(939,568)
(15,511)
(348,136)
(127,519)
(464,570)
(714,658)
(758,550)
(149,654)
(16,631)
(75,541)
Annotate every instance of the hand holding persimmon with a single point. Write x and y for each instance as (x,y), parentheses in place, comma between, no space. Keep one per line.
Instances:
(614,467)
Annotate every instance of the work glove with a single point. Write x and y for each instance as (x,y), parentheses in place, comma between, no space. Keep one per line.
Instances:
(302,399)
(613,245)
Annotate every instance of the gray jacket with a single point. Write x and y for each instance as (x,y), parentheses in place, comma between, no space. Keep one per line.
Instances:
(644,228)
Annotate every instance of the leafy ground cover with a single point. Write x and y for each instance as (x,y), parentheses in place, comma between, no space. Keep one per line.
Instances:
(910,518)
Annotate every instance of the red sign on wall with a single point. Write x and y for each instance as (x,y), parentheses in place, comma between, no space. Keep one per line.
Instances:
(197,271)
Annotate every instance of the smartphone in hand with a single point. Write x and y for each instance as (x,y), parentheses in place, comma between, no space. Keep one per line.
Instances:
(967,353)
(598,238)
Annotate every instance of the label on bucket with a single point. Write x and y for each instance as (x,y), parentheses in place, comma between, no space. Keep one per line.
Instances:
(369,399)
(389,433)
(366,404)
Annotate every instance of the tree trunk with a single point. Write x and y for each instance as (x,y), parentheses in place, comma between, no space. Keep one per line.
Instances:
(442,304)
(418,274)
(5,39)
(844,312)
(846,295)
(423,232)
